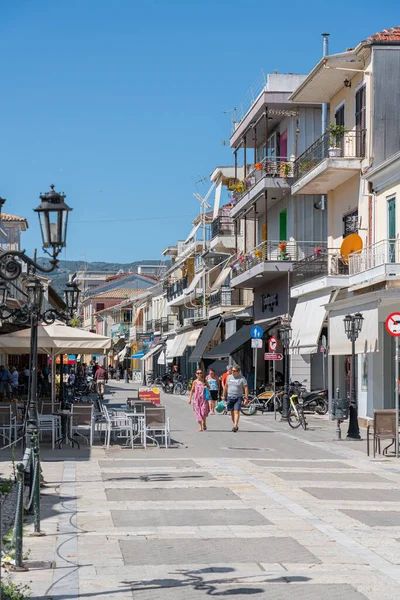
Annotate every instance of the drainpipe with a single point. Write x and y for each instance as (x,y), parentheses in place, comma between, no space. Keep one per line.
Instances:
(324,111)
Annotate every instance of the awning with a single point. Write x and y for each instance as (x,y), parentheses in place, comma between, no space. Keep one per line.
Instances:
(205,338)
(180,345)
(237,340)
(194,283)
(139,311)
(368,338)
(152,352)
(220,279)
(192,233)
(121,355)
(161,359)
(138,355)
(308,318)
(194,336)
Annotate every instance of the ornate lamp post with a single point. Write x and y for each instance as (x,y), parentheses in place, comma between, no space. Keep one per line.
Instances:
(285,334)
(352,326)
(53,217)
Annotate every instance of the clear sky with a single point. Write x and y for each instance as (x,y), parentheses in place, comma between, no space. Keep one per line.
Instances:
(121,103)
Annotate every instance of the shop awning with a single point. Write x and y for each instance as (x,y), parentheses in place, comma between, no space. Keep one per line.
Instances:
(205,338)
(220,279)
(308,318)
(180,345)
(161,359)
(368,339)
(152,352)
(194,336)
(194,283)
(237,340)
(138,355)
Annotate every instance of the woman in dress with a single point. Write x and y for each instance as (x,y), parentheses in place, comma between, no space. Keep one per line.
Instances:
(200,404)
(213,384)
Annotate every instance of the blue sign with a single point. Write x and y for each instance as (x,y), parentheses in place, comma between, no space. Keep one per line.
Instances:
(256,332)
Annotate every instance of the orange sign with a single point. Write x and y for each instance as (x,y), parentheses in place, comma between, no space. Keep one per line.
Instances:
(148,393)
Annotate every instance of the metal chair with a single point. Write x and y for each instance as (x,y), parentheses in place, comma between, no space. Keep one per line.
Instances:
(157,423)
(384,427)
(50,423)
(117,424)
(82,419)
(48,409)
(8,423)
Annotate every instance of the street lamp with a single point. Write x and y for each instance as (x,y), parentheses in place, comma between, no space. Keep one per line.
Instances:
(285,334)
(53,219)
(71,293)
(352,326)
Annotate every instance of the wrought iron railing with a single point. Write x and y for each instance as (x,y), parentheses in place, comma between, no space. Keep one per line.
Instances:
(226,296)
(328,262)
(177,288)
(270,166)
(350,144)
(162,325)
(382,253)
(292,251)
(222,225)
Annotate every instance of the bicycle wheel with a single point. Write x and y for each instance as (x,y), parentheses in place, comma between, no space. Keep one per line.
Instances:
(293,418)
(249,410)
(183,390)
(302,418)
(178,388)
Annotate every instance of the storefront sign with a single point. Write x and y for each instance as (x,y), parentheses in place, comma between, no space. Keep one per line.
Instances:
(273,356)
(268,301)
(148,393)
(145,337)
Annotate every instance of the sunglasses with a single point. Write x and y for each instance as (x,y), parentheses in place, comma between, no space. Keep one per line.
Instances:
(235,370)
(199,373)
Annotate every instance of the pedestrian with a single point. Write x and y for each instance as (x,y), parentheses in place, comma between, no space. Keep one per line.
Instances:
(26,379)
(235,389)
(14,381)
(5,379)
(100,378)
(214,385)
(200,404)
(224,376)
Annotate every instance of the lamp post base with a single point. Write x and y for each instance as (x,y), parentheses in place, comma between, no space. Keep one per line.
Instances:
(353,432)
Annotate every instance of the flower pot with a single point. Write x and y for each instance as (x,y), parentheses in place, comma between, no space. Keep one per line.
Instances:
(258,166)
(334,152)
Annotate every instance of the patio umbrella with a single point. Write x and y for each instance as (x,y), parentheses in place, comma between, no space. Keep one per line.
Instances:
(55,339)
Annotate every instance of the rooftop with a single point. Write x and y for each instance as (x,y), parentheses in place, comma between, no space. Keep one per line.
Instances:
(116,294)
(386,35)
(7,218)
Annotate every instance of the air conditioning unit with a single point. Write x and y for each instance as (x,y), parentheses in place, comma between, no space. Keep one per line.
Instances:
(188,321)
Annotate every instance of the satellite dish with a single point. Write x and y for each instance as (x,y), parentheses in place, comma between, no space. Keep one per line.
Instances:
(352,243)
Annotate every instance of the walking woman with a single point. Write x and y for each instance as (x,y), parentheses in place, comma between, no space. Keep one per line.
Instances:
(213,384)
(200,404)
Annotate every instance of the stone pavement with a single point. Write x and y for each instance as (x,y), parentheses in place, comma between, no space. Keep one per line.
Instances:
(268,512)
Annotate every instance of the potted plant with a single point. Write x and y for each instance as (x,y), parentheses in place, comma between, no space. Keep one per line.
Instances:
(336,133)
(258,166)
(317,251)
(285,169)
(282,250)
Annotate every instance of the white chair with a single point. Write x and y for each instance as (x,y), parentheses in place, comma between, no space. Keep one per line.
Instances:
(82,420)
(8,423)
(50,423)
(117,423)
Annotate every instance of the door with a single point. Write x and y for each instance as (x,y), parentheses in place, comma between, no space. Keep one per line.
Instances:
(391,203)
(339,120)
(360,122)
(282,225)
(283,146)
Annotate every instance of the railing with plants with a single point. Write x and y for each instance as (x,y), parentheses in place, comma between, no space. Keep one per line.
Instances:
(327,262)
(177,288)
(270,166)
(291,251)
(226,296)
(381,253)
(337,142)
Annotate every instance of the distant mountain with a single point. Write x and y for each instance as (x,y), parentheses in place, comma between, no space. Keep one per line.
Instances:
(67,267)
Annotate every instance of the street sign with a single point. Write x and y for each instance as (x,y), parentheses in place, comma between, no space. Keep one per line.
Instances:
(273,356)
(256,332)
(272,344)
(393,324)
(256,343)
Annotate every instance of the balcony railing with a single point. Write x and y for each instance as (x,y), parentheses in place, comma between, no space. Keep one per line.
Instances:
(328,262)
(293,251)
(198,263)
(226,296)
(222,225)
(381,253)
(350,145)
(277,166)
(164,324)
(176,289)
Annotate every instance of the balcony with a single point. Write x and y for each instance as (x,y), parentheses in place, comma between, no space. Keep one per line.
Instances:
(222,234)
(198,263)
(318,271)
(322,168)
(161,325)
(177,288)
(269,174)
(224,299)
(376,263)
(269,260)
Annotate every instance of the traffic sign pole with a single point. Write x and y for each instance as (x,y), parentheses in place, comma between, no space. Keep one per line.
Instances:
(396,395)
(273,367)
(255,369)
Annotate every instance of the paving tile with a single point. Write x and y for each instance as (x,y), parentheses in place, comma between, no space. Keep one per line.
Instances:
(214,550)
(170,494)
(187,518)
(299,464)
(327,476)
(189,476)
(354,494)
(150,463)
(375,518)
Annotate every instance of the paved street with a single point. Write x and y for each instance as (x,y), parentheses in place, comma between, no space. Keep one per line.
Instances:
(268,512)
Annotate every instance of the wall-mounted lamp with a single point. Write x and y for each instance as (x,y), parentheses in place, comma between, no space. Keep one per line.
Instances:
(347,83)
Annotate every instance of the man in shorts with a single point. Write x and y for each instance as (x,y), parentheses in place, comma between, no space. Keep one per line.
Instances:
(235,389)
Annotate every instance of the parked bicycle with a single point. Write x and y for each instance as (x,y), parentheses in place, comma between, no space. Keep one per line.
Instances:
(263,402)
(296,413)
(315,401)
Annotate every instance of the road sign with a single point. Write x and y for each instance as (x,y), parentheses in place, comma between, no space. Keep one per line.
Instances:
(256,343)
(273,356)
(272,344)
(393,324)
(256,332)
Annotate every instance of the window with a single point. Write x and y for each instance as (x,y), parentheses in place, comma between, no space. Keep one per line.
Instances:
(339,115)
(350,223)
(127,315)
(100,306)
(360,118)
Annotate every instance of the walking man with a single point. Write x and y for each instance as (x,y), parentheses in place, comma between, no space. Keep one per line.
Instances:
(100,377)
(235,389)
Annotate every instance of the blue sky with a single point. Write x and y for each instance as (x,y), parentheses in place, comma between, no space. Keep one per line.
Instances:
(121,103)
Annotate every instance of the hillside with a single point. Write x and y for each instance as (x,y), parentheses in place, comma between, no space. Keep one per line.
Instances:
(67,267)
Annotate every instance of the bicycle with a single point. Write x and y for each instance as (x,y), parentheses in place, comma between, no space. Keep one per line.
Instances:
(264,402)
(296,413)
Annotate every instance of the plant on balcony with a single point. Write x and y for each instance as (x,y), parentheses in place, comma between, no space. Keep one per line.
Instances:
(285,170)
(336,133)
(282,250)
(258,166)
(317,251)
(258,253)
